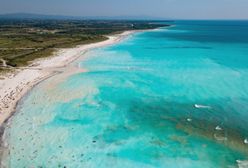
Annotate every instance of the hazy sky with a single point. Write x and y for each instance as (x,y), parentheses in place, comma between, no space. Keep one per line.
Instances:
(180,9)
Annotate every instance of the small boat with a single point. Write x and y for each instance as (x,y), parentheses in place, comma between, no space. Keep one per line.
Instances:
(189,119)
(218,128)
(202,106)
(246,141)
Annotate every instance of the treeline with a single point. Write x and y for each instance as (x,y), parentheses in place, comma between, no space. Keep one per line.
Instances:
(22,41)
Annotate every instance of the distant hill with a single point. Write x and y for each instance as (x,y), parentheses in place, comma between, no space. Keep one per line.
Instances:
(61,17)
(35,16)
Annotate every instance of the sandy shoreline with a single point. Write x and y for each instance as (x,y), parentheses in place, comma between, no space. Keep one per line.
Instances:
(15,85)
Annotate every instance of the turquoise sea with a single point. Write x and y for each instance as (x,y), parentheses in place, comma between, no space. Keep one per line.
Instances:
(174,97)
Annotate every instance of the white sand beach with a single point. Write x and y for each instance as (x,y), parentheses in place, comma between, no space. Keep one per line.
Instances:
(14,86)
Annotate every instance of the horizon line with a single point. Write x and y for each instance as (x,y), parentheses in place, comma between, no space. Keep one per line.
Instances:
(135,17)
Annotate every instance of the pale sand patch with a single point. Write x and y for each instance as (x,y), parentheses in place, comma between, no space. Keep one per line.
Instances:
(13,86)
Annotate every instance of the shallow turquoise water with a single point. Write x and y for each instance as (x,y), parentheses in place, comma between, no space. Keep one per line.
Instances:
(172,97)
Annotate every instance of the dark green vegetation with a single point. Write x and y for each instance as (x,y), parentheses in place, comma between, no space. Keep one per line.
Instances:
(22,41)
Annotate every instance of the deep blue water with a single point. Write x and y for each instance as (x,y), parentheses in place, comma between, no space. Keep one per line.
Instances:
(174,97)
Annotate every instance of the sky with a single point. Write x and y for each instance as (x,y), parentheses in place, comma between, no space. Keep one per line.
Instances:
(167,9)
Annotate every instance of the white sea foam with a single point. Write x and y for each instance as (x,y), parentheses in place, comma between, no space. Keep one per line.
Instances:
(220,138)
(202,106)
(242,164)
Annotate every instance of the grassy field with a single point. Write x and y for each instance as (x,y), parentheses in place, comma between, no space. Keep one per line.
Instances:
(22,41)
